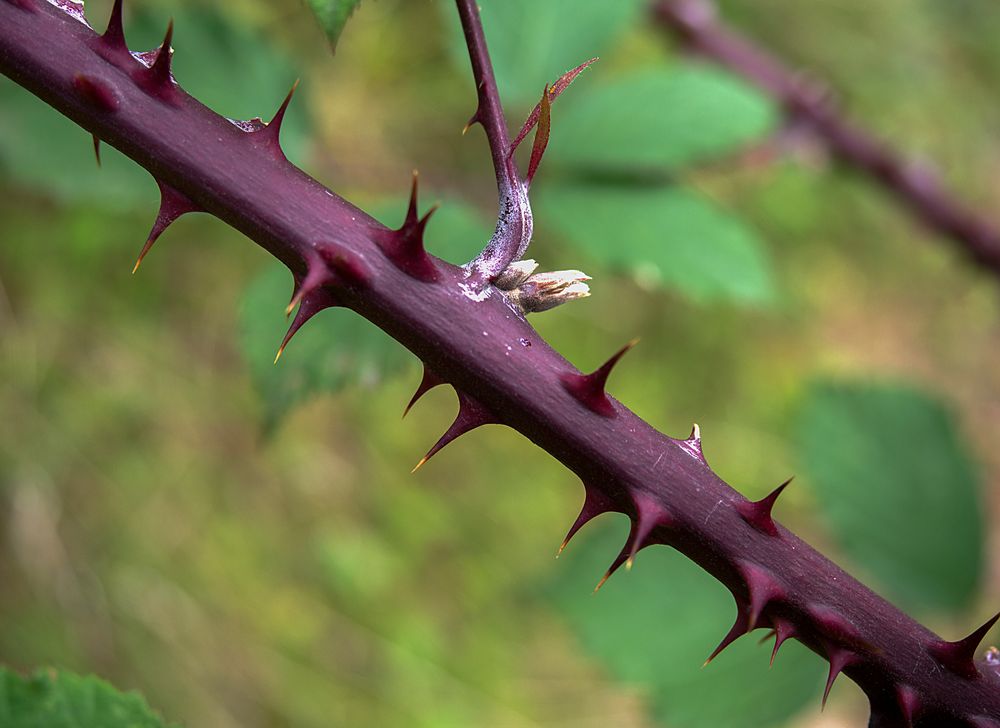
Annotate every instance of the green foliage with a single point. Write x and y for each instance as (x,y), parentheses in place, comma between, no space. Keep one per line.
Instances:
(216,58)
(336,349)
(658,118)
(533,43)
(666,237)
(333,16)
(898,487)
(655,625)
(50,699)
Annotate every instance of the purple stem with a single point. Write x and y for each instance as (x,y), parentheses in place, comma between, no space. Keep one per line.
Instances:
(341,256)
(514,223)
(913,185)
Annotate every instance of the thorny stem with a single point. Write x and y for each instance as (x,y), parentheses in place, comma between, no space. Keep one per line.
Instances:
(502,371)
(514,223)
(913,185)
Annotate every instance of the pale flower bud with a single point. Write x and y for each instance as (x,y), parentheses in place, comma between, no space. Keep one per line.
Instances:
(543,291)
(515,274)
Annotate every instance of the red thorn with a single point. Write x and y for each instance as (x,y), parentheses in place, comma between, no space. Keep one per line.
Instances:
(427,383)
(594,504)
(96,92)
(738,629)
(312,304)
(908,702)
(959,657)
(782,631)
(692,445)
(620,559)
(405,246)
(471,414)
(172,205)
(588,389)
(114,37)
(554,90)
(758,513)
(762,588)
(97,148)
(541,136)
(316,276)
(649,515)
(272,132)
(474,119)
(156,80)
(839,659)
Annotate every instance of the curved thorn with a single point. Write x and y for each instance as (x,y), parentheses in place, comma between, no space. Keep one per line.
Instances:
(114,35)
(595,503)
(959,657)
(428,381)
(758,513)
(589,389)
(173,205)
(738,629)
(471,414)
(160,70)
(839,659)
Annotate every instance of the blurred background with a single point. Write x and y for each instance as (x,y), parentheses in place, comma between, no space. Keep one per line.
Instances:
(244,544)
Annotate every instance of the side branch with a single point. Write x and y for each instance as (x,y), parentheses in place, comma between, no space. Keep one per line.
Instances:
(514,222)
(913,185)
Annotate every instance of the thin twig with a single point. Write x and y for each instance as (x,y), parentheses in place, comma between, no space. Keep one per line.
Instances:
(514,223)
(914,185)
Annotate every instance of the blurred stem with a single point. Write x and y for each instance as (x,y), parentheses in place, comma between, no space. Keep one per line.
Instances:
(914,185)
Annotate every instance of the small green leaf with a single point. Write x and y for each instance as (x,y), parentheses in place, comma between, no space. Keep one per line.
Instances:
(670,237)
(898,487)
(334,350)
(51,699)
(654,626)
(531,43)
(333,16)
(659,118)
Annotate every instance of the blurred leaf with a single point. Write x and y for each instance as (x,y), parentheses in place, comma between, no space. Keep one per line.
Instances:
(660,117)
(333,16)
(655,625)
(334,350)
(221,63)
(532,43)
(456,232)
(898,488)
(53,699)
(669,237)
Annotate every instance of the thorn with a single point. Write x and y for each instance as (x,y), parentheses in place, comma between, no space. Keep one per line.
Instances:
(692,445)
(762,588)
(758,513)
(471,414)
(595,503)
(273,128)
(114,36)
(97,148)
(959,657)
(782,631)
(316,276)
(405,246)
(160,70)
(839,659)
(474,119)
(314,302)
(909,703)
(173,204)
(588,389)
(649,515)
(738,629)
(427,383)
